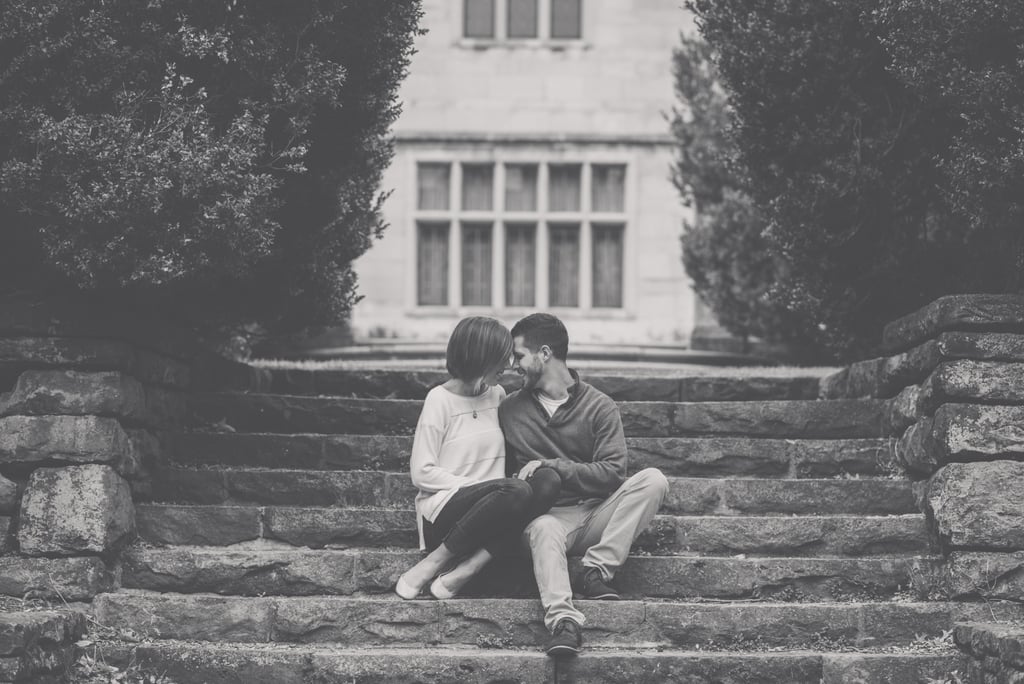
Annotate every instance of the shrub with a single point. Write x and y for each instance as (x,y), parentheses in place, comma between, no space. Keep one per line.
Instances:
(732,264)
(882,143)
(222,155)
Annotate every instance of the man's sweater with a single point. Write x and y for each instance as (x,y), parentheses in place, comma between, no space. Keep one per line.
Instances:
(583,441)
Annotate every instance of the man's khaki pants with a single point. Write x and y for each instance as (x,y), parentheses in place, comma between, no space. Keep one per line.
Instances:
(602,530)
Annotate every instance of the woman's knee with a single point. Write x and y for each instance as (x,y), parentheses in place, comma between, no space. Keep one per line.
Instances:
(517,493)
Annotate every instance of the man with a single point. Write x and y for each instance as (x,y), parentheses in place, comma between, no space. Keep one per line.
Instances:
(556,420)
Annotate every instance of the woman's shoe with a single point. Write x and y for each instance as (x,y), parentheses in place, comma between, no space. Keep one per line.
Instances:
(406,590)
(439,591)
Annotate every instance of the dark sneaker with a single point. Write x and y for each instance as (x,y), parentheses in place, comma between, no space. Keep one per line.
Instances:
(592,586)
(566,641)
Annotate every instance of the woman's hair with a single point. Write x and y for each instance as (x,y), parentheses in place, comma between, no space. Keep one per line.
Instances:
(476,346)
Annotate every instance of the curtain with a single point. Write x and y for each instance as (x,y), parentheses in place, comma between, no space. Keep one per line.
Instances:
(477,187)
(432,263)
(521,187)
(564,187)
(476,264)
(607,272)
(479,19)
(564,264)
(522,18)
(566,19)
(520,263)
(432,181)
(608,187)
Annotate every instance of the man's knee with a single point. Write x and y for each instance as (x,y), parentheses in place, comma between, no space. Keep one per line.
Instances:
(543,529)
(651,480)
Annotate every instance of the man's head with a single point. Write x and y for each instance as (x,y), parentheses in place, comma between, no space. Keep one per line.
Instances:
(538,340)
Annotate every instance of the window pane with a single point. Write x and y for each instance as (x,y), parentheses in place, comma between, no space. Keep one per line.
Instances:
(608,187)
(521,187)
(607,241)
(566,16)
(433,180)
(522,18)
(564,187)
(476,264)
(477,187)
(479,19)
(564,265)
(432,263)
(520,263)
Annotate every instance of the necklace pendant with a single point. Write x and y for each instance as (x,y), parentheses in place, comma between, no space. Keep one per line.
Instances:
(474,413)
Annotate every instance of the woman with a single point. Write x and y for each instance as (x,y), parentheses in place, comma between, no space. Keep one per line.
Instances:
(467,510)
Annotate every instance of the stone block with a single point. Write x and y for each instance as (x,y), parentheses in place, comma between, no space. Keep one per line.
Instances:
(868,668)
(982,346)
(197,525)
(32,440)
(191,618)
(971,312)
(76,393)
(20,631)
(247,573)
(973,382)
(340,527)
(81,353)
(969,432)
(997,650)
(972,575)
(835,385)
(917,451)
(156,369)
(70,579)
(903,410)
(75,510)
(357,622)
(979,505)
(8,496)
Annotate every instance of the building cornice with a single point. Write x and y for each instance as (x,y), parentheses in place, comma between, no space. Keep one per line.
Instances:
(446,137)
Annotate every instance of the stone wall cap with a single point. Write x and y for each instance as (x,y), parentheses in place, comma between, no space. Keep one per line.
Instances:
(994,312)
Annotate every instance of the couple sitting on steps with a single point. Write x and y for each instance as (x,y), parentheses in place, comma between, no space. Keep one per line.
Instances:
(544,468)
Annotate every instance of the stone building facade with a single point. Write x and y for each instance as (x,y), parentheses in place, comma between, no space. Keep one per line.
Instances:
(532,173)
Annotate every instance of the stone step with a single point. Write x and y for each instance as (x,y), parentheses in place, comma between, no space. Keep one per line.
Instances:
(687,495)
(517,623)
(192,663)
(717,385)
(268,569)
(684,456)
(282,413)
(321,527)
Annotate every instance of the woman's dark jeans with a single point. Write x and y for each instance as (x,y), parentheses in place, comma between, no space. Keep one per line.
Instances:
(492,514)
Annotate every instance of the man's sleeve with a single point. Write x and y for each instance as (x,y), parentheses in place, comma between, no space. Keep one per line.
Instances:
(512,453)
(608,470)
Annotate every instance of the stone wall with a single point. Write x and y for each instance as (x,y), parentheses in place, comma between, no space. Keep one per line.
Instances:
(87,389)
(954,381)
(995,652)
(38,646)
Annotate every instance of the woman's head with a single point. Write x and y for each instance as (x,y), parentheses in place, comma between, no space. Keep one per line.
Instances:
(477,348)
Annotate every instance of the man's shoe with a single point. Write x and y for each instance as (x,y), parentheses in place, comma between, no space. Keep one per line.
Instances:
(592,586)
(566,640)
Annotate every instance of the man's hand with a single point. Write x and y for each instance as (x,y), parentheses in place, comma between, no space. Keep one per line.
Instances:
(527,470)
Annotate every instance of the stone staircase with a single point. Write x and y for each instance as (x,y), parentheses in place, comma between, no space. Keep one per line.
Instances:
(784,551)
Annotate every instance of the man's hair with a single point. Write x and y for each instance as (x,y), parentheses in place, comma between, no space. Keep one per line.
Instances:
(476,346)
(541,329)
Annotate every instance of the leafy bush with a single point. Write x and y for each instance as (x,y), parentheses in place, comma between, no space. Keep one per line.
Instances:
(882,144)
(725,252)
(222,155)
